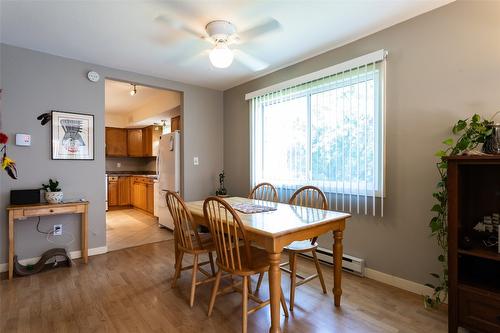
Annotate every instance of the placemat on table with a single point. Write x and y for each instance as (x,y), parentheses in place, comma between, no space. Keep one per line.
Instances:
(248,208)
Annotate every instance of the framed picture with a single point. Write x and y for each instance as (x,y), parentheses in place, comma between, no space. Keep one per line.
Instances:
(72,136)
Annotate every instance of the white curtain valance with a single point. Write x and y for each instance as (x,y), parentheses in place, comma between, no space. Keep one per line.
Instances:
(338,68)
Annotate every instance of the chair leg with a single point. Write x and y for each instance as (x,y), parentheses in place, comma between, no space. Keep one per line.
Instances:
(259,282)
(249,285)
(211,258)
(245,304)
(214,292)
(293,277)
(283,303)
(178,266)
(193,280)
(318,268)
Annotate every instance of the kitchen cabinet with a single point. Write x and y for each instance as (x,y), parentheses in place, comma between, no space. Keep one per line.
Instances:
(116,141)
(151,139)
(175,123)
(134,142)
(113,191)
(150,201)
(118,191)
(123,191)
(143,194)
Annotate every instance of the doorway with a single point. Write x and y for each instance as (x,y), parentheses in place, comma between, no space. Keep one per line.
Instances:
(137,118)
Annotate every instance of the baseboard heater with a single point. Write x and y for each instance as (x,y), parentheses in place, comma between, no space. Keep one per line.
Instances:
(349,263)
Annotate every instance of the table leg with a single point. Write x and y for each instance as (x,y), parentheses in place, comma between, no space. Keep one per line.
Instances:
(275,291)
(337,267)
(11,245)
(84,232)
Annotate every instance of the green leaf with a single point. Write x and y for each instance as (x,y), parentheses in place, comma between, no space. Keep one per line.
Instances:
(441,258)
(440,153)
(436,208)
(461,124)
(463,143)
(448,142)
(435,225)
(476,118)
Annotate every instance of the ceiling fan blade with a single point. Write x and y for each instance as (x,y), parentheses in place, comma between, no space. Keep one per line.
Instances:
(179,25)
(267,26)
(192,60)
(250,61)
(185,50)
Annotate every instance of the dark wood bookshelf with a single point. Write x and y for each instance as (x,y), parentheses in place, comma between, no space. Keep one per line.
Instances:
(474,269)
(488,253)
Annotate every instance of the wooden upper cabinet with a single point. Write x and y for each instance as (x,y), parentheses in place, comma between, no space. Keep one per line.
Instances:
(151,139)
(175,123)
(116,141)
(134,142)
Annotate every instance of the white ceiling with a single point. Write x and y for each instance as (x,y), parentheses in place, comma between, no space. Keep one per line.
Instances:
(118,99)
(124,34)
(148,106)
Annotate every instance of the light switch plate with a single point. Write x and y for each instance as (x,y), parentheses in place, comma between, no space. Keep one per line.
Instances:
(196,161)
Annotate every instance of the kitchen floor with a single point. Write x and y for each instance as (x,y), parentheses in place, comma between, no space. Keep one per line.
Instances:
(132,227)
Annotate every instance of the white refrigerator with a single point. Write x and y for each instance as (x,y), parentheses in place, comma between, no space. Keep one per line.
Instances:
(168,172)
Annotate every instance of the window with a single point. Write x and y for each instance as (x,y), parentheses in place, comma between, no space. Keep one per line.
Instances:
(327,132)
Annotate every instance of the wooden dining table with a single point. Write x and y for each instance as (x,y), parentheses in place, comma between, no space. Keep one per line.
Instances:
(275,229)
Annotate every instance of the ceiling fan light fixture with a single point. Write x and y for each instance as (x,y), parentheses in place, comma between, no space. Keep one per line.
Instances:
(221,56)
(133,91)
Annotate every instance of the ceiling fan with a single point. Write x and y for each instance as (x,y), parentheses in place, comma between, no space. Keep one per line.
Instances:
(223,34)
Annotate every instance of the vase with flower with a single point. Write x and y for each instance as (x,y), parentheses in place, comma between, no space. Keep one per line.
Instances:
(8,164)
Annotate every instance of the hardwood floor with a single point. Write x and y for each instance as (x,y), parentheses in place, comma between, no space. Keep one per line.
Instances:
(129,291)
(132,227)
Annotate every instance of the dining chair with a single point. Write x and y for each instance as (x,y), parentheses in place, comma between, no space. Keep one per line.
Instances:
(188,240)
(235,255)
(264,191)
(306,196)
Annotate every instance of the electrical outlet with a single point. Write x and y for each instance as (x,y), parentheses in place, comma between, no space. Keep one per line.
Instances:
(196,161)
(118,165)
(57,229)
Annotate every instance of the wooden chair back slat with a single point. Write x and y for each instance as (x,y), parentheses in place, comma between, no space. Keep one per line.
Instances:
(184,227)
(228,232)
(264,191)
(309,196)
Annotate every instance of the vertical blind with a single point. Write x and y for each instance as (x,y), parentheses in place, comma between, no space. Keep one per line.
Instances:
(324,129)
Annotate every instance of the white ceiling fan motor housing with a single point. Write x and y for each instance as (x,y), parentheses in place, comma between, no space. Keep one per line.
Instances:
(220,30)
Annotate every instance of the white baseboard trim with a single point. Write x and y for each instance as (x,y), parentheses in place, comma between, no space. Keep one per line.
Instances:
(398,282)
(73,254)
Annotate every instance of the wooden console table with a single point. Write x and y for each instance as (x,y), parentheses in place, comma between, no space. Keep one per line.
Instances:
(16,212)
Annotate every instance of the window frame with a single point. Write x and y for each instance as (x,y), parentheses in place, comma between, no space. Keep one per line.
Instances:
(377,74)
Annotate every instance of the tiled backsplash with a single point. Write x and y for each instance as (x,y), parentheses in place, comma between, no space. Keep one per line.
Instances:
(131,163)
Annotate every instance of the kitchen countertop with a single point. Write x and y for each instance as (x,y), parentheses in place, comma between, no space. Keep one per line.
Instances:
(149,174)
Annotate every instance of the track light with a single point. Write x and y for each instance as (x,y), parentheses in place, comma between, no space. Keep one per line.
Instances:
(134,90)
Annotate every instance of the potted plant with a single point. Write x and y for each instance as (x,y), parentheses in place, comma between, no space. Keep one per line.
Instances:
(53,193)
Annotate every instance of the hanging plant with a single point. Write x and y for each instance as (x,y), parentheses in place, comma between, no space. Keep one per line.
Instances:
(8,164)
(471,132)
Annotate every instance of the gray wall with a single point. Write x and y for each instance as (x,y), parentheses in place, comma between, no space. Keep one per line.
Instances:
(34,83)
(442,66)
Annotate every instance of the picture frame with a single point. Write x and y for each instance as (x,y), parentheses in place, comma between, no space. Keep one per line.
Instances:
(72,136)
